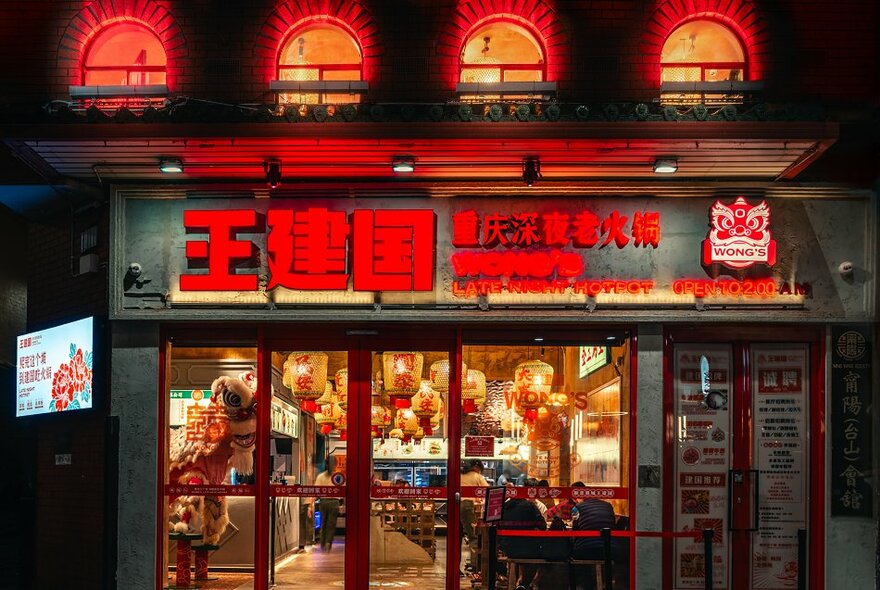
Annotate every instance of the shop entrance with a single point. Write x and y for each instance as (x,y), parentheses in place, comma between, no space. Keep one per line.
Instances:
(371,449)
(744,447)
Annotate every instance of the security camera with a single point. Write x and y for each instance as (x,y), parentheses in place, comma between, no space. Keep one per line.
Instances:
(846,269)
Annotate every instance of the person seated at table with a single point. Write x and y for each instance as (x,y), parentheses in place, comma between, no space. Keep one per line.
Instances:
(522,514)
(593,515)
(563,509)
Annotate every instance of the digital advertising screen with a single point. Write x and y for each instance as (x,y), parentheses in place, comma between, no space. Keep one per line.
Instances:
(54,369)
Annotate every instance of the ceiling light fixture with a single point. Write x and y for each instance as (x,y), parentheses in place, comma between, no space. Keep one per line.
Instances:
(665,165)
(273,173)
(403,164)
(170,165)
(531,171)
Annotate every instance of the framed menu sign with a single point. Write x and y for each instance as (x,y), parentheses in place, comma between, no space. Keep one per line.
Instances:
(851,440)
(494,504)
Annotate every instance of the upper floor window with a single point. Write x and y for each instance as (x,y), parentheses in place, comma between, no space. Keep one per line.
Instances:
(125,54)
(702,51)
(314,55)
(502,52)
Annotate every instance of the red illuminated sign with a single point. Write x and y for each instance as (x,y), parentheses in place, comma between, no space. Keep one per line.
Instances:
(389,250)
(740,235)
(581,230)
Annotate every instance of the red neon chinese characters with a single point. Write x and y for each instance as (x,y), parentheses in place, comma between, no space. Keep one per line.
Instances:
(307,249)
(466,229)
(586,227)
(221,250)
(525,229)
(555,229)
(496,228)
(393,250)
(646,229)
(613,227)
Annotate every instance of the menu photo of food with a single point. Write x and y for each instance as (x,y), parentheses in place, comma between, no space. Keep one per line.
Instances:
(695,501)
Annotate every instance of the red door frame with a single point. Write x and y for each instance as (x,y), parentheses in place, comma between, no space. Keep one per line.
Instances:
(740,338)
(359,340)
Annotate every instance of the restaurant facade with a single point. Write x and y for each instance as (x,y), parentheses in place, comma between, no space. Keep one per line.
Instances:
(407,258)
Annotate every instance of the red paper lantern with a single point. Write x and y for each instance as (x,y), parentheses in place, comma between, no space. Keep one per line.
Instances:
(307,375)
(532,381)
(402,372)
(425,405)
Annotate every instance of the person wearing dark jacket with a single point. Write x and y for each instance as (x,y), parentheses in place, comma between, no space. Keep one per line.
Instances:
(592,515)
(521,514)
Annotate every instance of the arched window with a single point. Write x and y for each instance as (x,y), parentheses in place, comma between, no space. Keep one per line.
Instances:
(702,51)
(124,54)
(502,52)
(320,53)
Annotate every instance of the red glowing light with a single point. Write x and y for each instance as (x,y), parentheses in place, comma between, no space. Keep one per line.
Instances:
(124,53)
(394,250)
(221,250)
(307,249)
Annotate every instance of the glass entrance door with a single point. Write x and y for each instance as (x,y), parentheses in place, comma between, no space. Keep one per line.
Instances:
(740,440)
(358,458)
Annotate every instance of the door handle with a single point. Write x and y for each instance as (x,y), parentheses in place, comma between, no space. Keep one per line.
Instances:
(457,498)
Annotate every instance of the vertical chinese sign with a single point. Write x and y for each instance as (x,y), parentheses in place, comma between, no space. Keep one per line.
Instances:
(851,440)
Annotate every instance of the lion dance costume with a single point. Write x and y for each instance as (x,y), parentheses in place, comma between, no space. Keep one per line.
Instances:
(226,442)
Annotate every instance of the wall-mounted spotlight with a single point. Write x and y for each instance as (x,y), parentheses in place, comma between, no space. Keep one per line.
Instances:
(531,170)
(273,173)
(403,164)
(665,165)
(170,165)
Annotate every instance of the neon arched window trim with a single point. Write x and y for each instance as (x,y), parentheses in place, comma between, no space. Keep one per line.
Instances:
(322,68)
(514,23)
(114,29)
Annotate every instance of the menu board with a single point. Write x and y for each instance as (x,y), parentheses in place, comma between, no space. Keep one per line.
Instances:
(702,453)
(285,418)
(54,369)
(780,383)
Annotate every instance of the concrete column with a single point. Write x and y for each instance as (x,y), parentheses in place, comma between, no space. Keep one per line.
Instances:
(134,382)
(649,451)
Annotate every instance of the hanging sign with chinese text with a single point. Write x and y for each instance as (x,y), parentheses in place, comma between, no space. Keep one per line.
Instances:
(851,440)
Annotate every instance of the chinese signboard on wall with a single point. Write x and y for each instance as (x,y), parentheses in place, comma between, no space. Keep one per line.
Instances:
(573,251)
(591,358)
(851,437)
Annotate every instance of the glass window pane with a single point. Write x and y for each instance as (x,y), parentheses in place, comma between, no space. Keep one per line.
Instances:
(211,433)
(408,496)
(117,53)
(308,455)
(702,41)
(552,424)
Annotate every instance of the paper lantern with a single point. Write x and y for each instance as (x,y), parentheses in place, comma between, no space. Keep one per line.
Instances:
(403,376)
(377,420)
(532,381)
(342,388)
(285,373)
(308,377)
(425,404)
(435,419)
(473,393)
(327,417)
(328,397)
(439,375)
(407,422)
(342,423)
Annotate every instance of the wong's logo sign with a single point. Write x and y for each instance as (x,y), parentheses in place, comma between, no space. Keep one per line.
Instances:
(740,235)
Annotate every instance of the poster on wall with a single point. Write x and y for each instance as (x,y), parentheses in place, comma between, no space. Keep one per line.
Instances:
(702,451)
(54,369)
(780,385)
(184,403)
(851,437)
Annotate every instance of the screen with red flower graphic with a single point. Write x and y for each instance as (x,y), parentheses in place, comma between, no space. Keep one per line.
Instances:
(54,369)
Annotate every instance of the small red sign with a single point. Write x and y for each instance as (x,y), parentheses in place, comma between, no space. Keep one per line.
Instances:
(479,446)
(740,235)
(494,504)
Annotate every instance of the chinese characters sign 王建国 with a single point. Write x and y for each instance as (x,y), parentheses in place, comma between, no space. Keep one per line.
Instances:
(851,440)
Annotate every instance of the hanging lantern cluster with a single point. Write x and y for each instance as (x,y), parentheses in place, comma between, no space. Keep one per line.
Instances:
(306,376)
(425,405)
(402,372)
(473,391)
(328,410)
(380,417)
(532,381)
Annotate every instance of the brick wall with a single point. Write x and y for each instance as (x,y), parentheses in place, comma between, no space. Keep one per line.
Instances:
(599,50)
(69,504)
(13,286)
